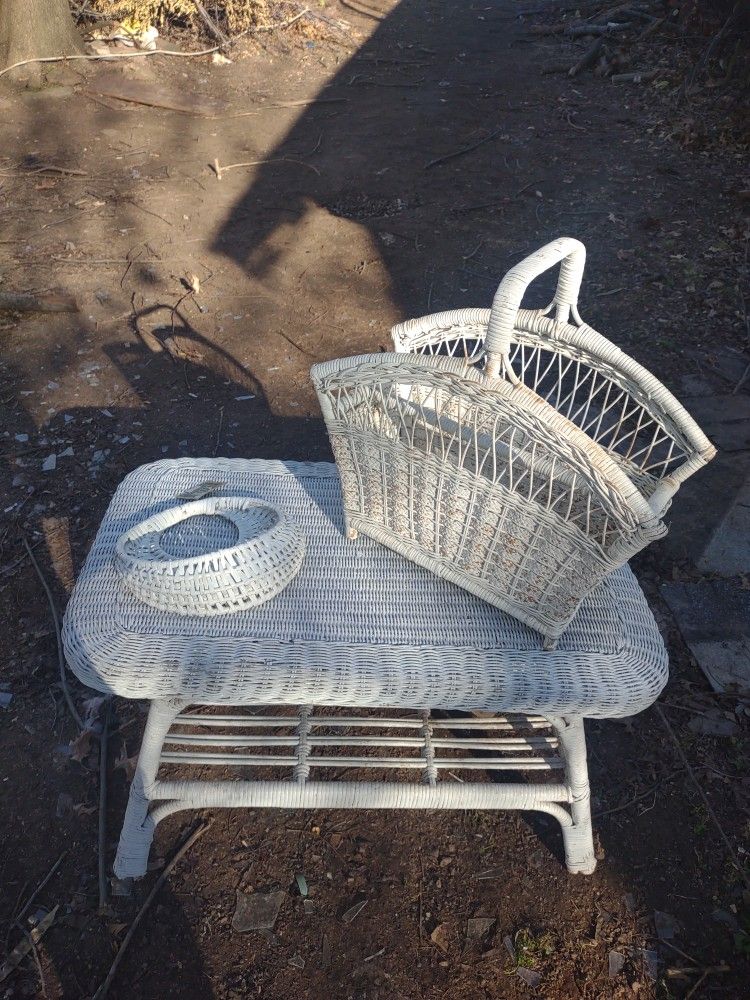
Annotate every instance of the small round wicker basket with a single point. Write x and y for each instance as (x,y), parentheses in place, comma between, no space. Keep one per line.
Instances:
(211,556)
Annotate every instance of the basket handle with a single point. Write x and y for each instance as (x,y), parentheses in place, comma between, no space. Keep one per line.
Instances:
(507,301)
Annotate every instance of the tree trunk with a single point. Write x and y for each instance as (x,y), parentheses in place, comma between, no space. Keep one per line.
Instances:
(31,29)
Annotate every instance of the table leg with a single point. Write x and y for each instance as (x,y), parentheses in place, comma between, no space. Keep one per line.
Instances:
(577,838)
(138,827)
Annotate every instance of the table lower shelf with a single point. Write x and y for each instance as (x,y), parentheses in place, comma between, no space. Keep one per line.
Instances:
(343,758)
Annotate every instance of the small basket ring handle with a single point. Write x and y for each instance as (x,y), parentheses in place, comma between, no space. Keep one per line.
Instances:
(572,255)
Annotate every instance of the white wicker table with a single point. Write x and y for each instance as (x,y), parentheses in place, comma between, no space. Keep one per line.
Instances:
(358,632)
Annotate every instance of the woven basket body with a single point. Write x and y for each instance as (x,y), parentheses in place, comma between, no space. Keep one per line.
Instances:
(211,556)
(480,481)
(523,474)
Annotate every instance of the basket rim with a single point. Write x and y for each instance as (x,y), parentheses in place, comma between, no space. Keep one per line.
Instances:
(184,511)
(517,394)
(537,322)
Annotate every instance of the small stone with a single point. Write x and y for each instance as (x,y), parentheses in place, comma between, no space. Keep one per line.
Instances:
(308,907)
(297,961)
(666,925)
(6,697)
(22,438)
(68,453)
(616,963)
(257,910)
(49,464)
(529,976)
(650,964)
(478,927)
(64,807)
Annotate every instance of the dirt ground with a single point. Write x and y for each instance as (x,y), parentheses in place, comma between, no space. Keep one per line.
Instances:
(344,229)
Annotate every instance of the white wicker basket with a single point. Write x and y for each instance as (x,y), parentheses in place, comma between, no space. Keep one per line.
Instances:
(525,466)
(211,556)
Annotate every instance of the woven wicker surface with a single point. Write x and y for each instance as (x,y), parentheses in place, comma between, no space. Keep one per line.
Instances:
(359,625)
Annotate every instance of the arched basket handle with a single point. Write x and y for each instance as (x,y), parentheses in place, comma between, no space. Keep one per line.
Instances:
(509,295)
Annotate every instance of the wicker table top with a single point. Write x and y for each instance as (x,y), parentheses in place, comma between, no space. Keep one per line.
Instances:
(359,625)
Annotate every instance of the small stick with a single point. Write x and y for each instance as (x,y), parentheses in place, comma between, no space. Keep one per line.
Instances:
(588,58)
(697,985)
(35,953)
(218,431)
(103,742)
(47,168)
(727,842)
(640,77)
(743,379)
(638,798)
(579,30)
(104,988)
(35,893)
(60,654)
(463,150)
(361,9)
(25,946)
(222,169)
(213,28)
(279,104)
(647,32)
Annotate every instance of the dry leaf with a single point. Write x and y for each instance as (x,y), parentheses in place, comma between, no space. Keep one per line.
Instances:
(440,937)
(83,810)
(81,745)
(125,763)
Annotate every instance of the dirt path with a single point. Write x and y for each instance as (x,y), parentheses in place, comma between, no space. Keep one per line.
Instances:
(349,226)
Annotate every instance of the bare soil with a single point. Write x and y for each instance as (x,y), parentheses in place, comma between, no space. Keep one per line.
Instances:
(313,254)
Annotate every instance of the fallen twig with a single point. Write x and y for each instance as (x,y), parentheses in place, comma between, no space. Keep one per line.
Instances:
(709,808)
(637,798)
(362,9)
(646,77)
(579,30)
(284,104)
(24,947)
(650,29)
(102,833)
(209,22)
(588,58)
(50,302)
(220,169)
(48,168)
(60,654)
(104,988)
(21,913)
(463,150)
(706,973)
(743,378)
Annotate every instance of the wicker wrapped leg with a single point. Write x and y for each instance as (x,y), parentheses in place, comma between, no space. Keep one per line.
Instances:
(139,825)
(578,838)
